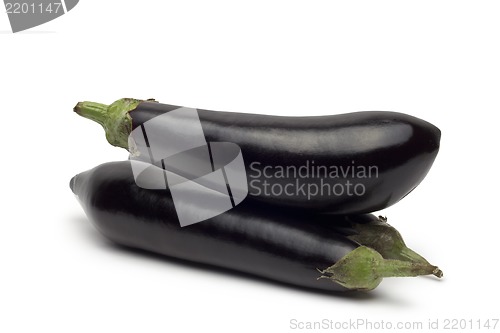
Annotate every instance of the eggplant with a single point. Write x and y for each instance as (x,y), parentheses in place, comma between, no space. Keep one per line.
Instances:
(251,238)
(350,163)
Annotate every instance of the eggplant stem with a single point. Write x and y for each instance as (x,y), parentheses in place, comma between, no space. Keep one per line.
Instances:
(114,118)
(364,268)
(385,239)
(93,111)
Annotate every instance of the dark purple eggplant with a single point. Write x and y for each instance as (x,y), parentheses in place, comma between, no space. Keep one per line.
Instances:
(344,164)
(251,238)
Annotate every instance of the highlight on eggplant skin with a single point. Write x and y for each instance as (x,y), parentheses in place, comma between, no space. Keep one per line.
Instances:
(401,148)
(251,238)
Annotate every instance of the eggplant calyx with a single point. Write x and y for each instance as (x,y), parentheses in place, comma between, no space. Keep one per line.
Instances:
(114,118)
(364,268)
(386,240)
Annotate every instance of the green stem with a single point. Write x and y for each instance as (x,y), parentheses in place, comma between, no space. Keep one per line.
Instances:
(400,268)
(94,111)
(385,239)
(364,268)
(408,254)
(114,118)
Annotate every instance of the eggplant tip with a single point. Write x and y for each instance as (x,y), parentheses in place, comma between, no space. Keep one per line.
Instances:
(72,184)
(77,108)
(438,272)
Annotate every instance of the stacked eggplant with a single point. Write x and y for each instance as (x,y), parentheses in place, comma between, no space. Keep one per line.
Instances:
(326,241)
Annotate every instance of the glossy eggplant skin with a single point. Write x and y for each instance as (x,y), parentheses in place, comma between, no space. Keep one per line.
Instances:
(250,238)
(395,151)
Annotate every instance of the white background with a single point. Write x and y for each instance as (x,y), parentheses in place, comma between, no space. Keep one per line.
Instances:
(437,60)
